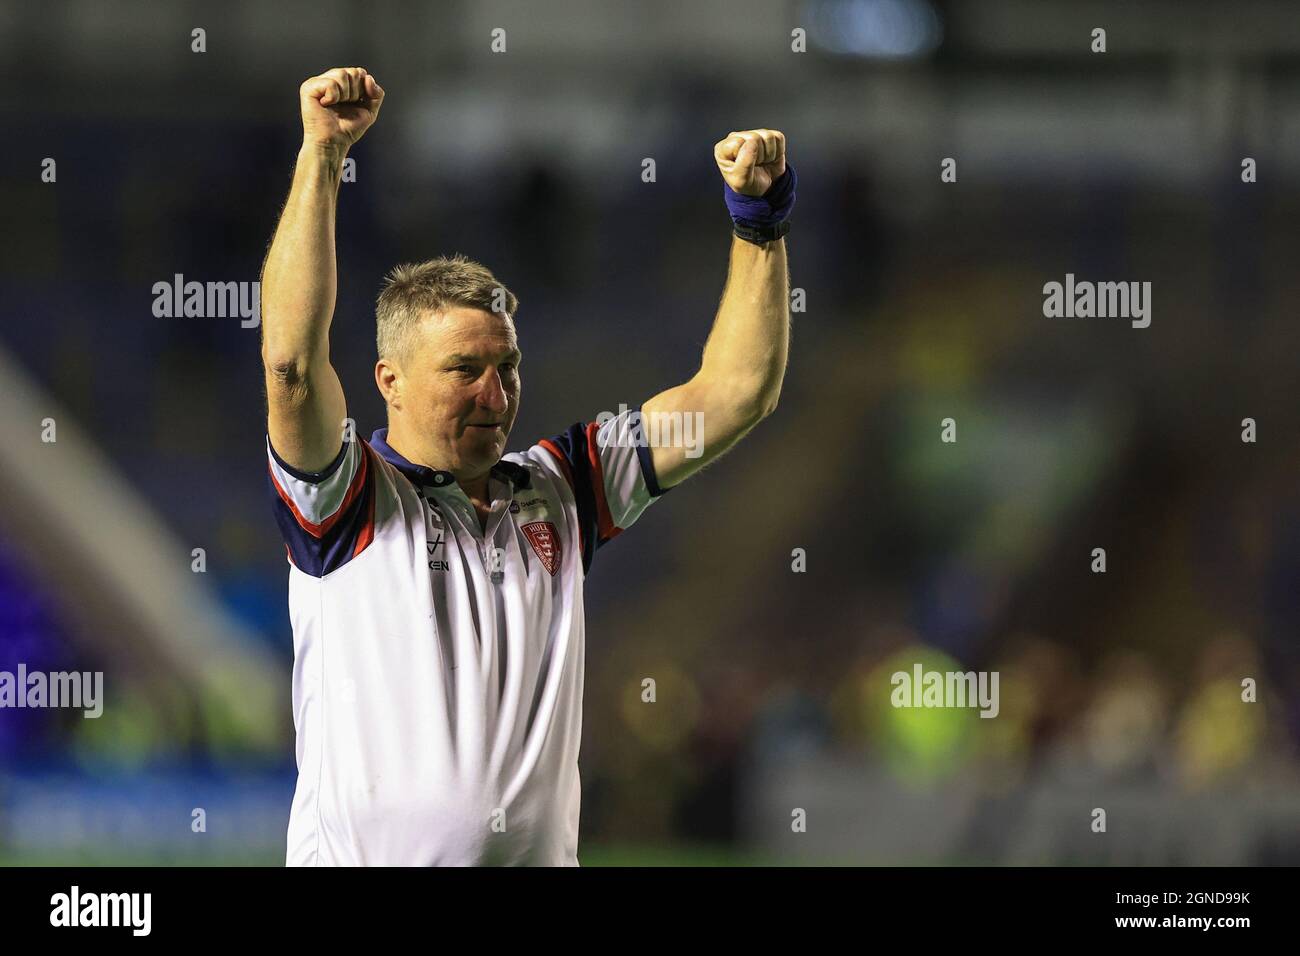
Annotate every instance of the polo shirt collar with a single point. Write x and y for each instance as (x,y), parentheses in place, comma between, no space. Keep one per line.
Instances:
(424,476)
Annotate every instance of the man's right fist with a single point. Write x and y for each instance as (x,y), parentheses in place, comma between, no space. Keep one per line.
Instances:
(338,106)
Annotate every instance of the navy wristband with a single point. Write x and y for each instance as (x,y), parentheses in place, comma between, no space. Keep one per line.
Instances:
(762,213)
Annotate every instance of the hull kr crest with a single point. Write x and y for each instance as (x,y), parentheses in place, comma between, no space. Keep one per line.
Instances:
(546,543)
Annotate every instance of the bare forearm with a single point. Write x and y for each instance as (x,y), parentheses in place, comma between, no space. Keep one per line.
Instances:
(739,381)
(748,347)
(299,278)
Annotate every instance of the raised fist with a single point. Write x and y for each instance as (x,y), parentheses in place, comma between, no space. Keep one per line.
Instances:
(752,160)
(338,106)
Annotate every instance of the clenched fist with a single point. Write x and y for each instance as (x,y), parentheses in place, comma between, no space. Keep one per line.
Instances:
(752,160)
(338,106)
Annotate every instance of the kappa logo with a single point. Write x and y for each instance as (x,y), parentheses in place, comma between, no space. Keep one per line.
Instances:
(546,542)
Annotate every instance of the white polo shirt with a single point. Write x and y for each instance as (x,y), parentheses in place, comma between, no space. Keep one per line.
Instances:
(438,668)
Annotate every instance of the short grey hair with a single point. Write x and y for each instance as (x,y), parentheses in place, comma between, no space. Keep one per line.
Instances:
(413,290)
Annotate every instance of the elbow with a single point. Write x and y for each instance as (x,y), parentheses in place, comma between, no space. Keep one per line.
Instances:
(754,412)
(289,361)
(752,408)
(282,367)
(744,404)
(767,405)
(287,368)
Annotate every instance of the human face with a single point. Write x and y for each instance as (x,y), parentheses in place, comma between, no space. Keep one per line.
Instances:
(457,393)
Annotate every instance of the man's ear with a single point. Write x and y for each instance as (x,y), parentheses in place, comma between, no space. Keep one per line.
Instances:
(388,378)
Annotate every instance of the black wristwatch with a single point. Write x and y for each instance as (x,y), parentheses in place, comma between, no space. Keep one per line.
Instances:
(761,234)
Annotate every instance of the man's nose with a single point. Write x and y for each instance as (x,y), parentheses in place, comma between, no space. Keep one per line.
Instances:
(492,395)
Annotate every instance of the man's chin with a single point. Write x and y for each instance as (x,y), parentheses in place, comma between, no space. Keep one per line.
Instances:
(484,448)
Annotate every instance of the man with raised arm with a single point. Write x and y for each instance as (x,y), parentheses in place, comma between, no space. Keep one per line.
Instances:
(436,581)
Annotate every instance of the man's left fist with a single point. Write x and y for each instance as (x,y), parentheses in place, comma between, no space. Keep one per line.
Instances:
(751,161)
